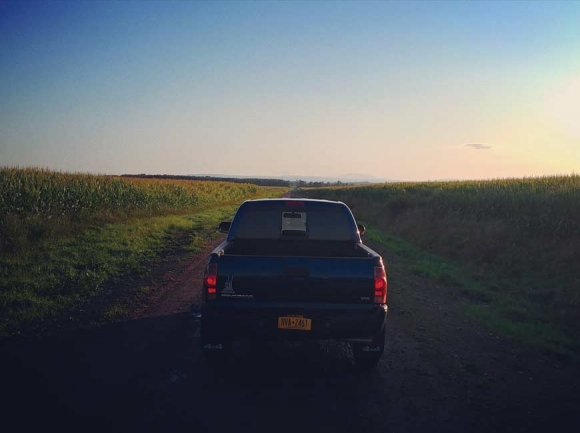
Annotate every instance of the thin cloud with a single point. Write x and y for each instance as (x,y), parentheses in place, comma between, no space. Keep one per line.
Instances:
(479,146)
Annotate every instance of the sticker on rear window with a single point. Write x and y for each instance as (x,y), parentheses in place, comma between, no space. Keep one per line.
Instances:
(294,223)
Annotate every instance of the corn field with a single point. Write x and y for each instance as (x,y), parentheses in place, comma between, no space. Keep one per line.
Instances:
(549,205)
(50,194)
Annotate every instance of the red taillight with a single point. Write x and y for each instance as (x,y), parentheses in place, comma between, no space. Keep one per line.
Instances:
(380,285)
(210,280)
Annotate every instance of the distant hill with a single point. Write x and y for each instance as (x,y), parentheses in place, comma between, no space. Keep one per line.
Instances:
(343,178)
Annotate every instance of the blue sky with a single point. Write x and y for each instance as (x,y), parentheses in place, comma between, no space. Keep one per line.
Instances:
(386,89)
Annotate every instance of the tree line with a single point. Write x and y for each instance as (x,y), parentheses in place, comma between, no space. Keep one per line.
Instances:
(254,181)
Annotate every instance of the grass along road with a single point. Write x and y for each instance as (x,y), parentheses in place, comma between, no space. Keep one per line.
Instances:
(68,280)
(482,301)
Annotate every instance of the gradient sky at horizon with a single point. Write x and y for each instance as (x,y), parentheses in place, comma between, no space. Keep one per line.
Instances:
(398,90)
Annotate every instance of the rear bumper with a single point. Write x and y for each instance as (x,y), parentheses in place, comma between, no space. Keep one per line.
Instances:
(342,322)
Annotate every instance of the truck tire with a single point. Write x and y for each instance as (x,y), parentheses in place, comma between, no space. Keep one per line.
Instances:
(367,355)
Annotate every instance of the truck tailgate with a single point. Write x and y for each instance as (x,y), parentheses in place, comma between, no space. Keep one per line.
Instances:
(296,279)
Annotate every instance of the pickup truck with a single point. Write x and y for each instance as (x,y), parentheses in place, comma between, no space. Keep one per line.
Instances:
(294,269)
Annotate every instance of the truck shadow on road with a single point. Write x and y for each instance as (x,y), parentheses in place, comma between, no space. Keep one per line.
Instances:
(150,375)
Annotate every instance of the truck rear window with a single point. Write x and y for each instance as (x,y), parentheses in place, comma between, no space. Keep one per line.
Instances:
(274,221)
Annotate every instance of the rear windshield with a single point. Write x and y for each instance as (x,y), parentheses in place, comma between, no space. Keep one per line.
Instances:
(277,220)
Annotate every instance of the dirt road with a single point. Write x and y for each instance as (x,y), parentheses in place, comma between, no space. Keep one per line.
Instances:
(440,373)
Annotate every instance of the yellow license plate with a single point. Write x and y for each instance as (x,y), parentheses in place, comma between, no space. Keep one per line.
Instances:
(298,323)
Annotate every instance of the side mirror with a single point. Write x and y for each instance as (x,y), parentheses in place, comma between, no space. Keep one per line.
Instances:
(224,226)
(361,229)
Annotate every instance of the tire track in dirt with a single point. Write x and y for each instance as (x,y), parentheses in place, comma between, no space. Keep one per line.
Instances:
(179,287)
